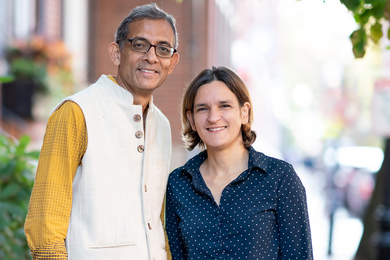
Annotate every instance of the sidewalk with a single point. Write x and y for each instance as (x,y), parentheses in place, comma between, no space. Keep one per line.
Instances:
(347,230)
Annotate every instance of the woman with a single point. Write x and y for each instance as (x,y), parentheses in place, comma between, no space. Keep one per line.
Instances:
(230,201)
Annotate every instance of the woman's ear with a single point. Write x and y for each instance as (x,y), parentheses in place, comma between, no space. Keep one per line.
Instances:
(114,53)
(245,113)
(191,119)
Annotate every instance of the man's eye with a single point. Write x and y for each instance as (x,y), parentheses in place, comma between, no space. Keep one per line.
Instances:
(139,44)
(164,49)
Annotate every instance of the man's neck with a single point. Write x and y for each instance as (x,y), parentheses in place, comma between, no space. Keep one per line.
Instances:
(142,101)
(142,98)
(144,114)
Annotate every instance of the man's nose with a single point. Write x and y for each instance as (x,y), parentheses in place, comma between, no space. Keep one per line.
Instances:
(151,55)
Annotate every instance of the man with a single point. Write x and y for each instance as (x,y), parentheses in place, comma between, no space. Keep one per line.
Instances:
(104,163)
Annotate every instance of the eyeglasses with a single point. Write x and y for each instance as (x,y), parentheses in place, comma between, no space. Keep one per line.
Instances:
(143,46)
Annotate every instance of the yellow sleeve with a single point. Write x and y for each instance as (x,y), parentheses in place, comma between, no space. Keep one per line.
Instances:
(162,217)
(48,215)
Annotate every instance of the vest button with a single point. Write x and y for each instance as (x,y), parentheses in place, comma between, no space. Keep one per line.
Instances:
(137,118)
(140,148)
(138,134)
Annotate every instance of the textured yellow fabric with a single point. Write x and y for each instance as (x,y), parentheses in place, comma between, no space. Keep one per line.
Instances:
(162,216)
(55,250)
(112,78)
(64,145)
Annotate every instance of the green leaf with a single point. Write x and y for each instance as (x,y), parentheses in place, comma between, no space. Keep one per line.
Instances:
(10,190)
(388,34)
(358,51)
(358,35)
(369,1)
(359,42)
(364,16)
(376,32)
(11,208)
(7,79)
(378,11)
(351,5)
(34,154)
(3,222)
(8,170)
(23,142)
(8,232)
(374,2)
(16,180)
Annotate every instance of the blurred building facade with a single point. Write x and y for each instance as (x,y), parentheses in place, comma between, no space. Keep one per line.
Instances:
(87,28)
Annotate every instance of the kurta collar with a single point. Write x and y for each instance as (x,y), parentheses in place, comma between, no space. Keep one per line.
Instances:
(120,92)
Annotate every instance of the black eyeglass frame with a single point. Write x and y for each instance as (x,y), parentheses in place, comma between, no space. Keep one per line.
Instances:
(151,45)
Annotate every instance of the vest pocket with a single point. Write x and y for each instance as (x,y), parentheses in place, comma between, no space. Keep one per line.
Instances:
(113,245)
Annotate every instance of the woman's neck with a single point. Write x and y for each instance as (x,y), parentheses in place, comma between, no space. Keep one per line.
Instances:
(226,162)
(222,167)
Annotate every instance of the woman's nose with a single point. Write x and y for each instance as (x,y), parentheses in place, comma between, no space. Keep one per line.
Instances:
(214,115)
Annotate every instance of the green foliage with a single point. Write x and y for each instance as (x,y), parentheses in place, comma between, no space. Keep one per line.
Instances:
(27,69)
(7,78)
(26,66)
(368,14)
(359,41)
(16,182)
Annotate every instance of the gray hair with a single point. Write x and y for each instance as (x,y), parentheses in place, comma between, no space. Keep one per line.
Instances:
(148,11)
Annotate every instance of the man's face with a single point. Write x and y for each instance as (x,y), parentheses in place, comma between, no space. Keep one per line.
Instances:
(142,73)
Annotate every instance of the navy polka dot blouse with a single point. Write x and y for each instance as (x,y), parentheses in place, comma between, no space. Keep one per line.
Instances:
(262,213)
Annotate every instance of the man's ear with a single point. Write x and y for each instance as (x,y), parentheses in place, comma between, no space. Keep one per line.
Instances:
(114,53)
(174,60)
(191,119)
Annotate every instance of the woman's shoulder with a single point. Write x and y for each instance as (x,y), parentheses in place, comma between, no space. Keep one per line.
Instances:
(269,164)
(265,159)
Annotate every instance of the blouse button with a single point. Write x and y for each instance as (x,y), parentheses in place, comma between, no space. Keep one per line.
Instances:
(137,118)
(150,227)
(138,134)
(146,188)
(140,148)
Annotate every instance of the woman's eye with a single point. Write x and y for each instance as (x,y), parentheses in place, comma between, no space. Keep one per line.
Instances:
(200,109)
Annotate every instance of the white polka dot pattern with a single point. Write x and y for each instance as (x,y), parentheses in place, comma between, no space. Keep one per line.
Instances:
(262,214)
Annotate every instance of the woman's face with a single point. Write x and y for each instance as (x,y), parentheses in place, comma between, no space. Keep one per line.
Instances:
(218,116)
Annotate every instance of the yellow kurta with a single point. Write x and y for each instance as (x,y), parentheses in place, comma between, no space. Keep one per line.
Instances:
(64,145)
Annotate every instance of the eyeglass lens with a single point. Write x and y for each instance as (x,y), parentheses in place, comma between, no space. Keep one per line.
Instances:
(144,46)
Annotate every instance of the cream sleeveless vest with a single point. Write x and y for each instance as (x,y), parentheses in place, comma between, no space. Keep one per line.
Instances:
(119,189)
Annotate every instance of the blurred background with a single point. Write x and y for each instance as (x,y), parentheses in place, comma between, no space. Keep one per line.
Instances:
(321,96)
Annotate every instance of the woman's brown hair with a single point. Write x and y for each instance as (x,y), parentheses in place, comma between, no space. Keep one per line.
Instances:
(235,84)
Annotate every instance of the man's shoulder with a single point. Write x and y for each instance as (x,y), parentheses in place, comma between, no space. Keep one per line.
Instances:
(92,91)
(160,115)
